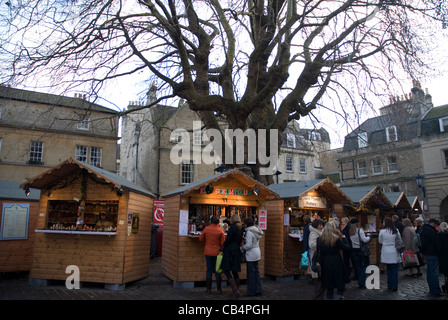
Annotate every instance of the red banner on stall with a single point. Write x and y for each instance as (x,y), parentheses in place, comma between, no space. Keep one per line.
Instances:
(158,212)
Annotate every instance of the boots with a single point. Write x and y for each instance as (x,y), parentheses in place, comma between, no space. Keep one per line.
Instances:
(208,283)
(237,282)
(235,291)
(218,286)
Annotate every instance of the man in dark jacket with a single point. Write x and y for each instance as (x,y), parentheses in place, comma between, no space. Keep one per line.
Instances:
(428,236)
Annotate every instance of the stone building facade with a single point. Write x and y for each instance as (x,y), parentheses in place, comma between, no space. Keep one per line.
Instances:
(148,137)
(39,130)
(403,149)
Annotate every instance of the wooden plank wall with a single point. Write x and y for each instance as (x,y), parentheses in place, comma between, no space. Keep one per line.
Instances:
(170,237)
(274,238)
(138,246)
(99,258)
(16,255)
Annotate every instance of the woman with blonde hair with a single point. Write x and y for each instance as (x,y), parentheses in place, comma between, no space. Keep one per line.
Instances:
(334,274)
(231,260)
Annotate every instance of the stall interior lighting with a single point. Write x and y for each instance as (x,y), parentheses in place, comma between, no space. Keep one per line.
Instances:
(256,191)
(209,189)
(120,192)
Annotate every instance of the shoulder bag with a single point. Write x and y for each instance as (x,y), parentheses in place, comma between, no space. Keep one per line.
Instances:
(399,245)
(315,261)
(364,247)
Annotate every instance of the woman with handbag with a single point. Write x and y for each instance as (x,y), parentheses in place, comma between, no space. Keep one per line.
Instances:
(408,236)
(389,253)
(360,252)
(214,238)
(231,260)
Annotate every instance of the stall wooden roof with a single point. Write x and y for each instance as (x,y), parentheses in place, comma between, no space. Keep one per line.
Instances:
(363,195)
(288,190)
(415,204)
(399,199)
(72,166)
(231,174)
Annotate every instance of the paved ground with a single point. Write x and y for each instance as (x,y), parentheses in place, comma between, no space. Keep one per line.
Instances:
(158,287)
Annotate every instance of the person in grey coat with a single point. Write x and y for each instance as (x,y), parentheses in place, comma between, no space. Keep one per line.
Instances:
(253,255)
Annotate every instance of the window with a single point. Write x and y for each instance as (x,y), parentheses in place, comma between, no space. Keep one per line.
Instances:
(81,154)
(392,164)
(444,155)
(83,122)
(95,156)
(362,169)
(302,166)
(187,172)
(36,150)
(443,124)
(362,140)
(289,166)
(290,140)
(197,138)
(313,135)
(391,134)
(376,166)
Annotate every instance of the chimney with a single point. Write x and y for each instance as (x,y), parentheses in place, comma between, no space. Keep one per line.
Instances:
(152,97)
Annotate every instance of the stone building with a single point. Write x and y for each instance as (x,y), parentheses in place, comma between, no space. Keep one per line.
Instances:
(434,150)
(148,137)
(385,150)
(299,153)
(39,130)
(405,149)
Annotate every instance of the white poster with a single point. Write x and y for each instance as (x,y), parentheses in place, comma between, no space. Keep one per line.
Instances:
(183,223)
(15,221)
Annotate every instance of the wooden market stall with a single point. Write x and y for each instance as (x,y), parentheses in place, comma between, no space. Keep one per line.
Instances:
(370,206)
(92,219)
(18,218)
(316,198)
(189,209)
(401,204)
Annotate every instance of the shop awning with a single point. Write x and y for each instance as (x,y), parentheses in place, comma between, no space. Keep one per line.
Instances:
(71,166)
(290,190)
(236,174)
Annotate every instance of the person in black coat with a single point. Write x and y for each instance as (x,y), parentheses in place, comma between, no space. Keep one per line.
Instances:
(428,237)
(333,274)
(442,248)
(231,260)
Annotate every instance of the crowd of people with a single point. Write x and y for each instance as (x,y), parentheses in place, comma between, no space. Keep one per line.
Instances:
(343,248)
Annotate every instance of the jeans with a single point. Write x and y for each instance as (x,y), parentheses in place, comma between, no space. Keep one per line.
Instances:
(392,275)
(253,278)
(360,264)
(432,274)
(210,262)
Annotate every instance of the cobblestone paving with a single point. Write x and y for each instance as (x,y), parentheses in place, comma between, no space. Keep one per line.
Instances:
(157,287)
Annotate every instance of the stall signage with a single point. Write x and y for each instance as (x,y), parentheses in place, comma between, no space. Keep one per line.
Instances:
(158,212)
(312,202)
(229,192)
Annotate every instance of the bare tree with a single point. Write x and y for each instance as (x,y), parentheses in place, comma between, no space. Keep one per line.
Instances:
(256,64)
